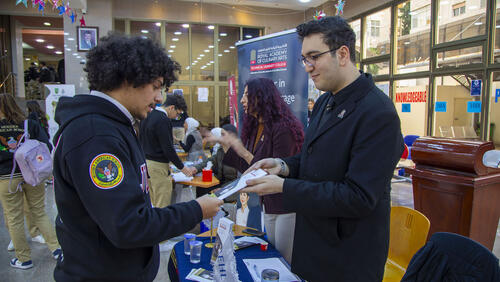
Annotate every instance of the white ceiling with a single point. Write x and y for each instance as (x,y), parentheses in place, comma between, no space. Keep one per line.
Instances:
(282,4)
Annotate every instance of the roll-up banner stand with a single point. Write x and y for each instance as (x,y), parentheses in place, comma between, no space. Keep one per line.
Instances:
(275,56)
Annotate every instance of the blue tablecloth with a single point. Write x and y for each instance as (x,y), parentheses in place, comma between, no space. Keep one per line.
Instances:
(179,265)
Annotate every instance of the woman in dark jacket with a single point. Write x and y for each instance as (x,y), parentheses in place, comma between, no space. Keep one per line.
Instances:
(269,130)
(35,113)
(13,190)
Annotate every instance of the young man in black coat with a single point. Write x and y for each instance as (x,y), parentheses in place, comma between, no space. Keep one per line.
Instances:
(339,184)
(106,225)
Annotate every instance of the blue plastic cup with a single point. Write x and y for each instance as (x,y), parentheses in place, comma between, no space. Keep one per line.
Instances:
(188,237)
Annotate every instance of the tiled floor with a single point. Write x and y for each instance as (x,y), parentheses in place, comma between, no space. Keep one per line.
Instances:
(44,263)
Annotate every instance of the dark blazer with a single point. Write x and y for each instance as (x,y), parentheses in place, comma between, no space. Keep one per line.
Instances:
(276,142)
(339,186)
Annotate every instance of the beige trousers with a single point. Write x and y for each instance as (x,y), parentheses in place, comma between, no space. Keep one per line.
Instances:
(160,184)
(12,204)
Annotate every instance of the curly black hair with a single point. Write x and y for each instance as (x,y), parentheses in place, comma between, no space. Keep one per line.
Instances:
(335,30)
(135,60)
(177,100)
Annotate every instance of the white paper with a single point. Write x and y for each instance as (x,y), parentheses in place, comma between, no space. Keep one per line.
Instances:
(181,177)
(239,184)
(255,240)
(255,267)
(202,94)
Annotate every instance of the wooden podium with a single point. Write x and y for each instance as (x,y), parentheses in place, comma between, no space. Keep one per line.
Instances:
(453,188)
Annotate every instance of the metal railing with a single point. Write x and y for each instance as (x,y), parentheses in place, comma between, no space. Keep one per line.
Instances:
(4,86)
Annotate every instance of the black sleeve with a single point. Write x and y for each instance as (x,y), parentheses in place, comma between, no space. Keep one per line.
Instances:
(121,211)
(189,143)
(36,132)
(164,129)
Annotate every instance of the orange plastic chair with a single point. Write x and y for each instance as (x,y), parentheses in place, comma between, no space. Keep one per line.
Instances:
(409,229)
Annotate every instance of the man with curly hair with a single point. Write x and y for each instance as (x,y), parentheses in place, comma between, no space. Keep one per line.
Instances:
(339,184)
(106,224)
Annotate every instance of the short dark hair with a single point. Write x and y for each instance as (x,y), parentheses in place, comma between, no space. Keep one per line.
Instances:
(177,101)
(42,63)
(135,60)
(335,30)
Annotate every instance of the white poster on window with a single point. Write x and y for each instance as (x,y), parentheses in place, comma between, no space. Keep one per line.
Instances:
(202,94)
(56,91)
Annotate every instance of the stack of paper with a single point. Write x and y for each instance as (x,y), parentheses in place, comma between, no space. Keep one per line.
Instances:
(255,267)
(246,241)
(201,275)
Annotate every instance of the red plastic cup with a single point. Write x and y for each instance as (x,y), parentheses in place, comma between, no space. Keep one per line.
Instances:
(206,175)
(263,246)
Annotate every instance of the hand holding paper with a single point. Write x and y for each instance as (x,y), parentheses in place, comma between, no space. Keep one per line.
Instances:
(238,184)
(269,184)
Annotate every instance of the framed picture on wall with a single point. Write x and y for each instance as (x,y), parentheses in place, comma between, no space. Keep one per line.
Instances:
(87,37)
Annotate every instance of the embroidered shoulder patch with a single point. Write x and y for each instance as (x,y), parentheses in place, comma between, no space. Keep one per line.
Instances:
(106,171)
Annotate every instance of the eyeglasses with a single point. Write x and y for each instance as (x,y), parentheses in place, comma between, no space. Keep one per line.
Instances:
(311,60)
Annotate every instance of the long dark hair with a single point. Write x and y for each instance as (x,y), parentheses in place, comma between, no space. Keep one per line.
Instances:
(265,100)
(34,107)
(10,109)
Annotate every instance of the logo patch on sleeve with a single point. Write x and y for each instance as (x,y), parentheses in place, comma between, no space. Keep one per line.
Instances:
(106,171)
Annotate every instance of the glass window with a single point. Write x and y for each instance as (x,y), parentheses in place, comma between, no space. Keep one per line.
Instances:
(119,25)
(384,86)
(497,35)
(495,110)
(203,101)
(460,57)
(377,34)
(413,36)
(145,29)
(377,68)
(228,55)
(249,33)
(177,46)
(410,100)
(224,105)
(456,112)
(202,56)
(460,20)
(356,27)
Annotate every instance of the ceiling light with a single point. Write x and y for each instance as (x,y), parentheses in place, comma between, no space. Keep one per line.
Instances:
(226,51)
(211,62)
(158,24)
(144,31)
(210,46)
(172,46)
(223,34)
(177,33)
(498,26)
(220,55)
(65,45)
(47,24)
(50,47)
(248,36)
(210,27)
(206,50)
(231,47)
(188,67)
(170,51)
(75,54)
(71,39)
(202,55)
(58,52)
(304,1)
(407,42)
(27,59)
(68,49)
(185,25)
(195,61)
(170,56)
(78,57)
(175,39)
(39,40)
(66,33)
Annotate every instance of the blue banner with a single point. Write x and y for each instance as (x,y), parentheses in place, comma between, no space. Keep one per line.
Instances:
(406,108)
(276,57)
(474,106)
(440,107)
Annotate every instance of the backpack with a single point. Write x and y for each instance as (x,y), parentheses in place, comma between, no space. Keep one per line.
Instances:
(33,158)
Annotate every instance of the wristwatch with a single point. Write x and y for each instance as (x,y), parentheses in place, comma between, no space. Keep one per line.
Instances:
(283,168)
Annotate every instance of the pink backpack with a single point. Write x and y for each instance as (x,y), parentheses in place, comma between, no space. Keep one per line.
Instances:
(33,158)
